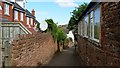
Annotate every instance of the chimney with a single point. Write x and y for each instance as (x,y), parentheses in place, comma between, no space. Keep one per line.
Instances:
(33,12)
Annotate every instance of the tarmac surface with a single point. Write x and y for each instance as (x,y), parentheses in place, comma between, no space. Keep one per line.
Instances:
(67,57)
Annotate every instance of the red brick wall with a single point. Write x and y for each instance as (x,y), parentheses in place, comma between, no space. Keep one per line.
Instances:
(25,19)
(31,50)
(19,18)
(31,21)
(109,52)
(110,27)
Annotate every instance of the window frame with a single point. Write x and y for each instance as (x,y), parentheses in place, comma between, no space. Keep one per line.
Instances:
(15,15)
(86,26)
(82,27)
(91,25)
(28,21)
(6,9)
(31,21)
(0,7)
(21,16)
(92,36)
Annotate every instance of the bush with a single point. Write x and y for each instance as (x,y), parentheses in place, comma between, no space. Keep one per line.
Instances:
(56,32)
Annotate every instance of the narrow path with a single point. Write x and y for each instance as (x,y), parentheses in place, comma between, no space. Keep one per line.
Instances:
(65,58)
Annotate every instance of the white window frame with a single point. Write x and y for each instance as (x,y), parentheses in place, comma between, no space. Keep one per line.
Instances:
(92,22)
(82,27)
(6,9)
(28,21)
(21,16)
(15,15)
(85,26)
(0,7)
(31,21)
(91,25)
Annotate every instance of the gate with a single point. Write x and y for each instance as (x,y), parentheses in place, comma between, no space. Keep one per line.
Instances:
(6,53)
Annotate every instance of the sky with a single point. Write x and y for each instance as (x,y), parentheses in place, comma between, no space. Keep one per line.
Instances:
(58,10)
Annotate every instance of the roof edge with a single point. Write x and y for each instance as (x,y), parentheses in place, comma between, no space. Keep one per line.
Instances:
(87,10)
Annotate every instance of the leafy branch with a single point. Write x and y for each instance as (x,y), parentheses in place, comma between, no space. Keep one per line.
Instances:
(76,13)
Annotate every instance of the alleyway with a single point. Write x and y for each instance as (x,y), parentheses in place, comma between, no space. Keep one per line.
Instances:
(66,58)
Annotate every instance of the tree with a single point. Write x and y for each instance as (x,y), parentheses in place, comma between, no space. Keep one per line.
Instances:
(38,26)
(57,33)
(75,16)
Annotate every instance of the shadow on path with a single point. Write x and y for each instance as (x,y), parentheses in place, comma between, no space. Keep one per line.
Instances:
(66,58)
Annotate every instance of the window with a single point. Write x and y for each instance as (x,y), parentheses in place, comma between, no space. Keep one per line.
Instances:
(27,21)
(21,16)
(0,11)
(86,26)
(16,15)
(82,27)
(5,32)
(0,7)
(31,21)
(91,24)
(6,9)
(11,32)
(16,31)
(95,24)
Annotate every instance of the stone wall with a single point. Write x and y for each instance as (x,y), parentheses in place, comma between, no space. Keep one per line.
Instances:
(111,32)
(107,52)
(32,50)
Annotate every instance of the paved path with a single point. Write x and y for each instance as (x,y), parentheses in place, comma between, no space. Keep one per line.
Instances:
(65,58)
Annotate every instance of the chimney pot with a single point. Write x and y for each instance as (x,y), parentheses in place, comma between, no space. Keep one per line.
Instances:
(33,12)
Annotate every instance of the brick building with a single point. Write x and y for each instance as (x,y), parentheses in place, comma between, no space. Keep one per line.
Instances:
(13,12)
(14,19)
(99,35)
